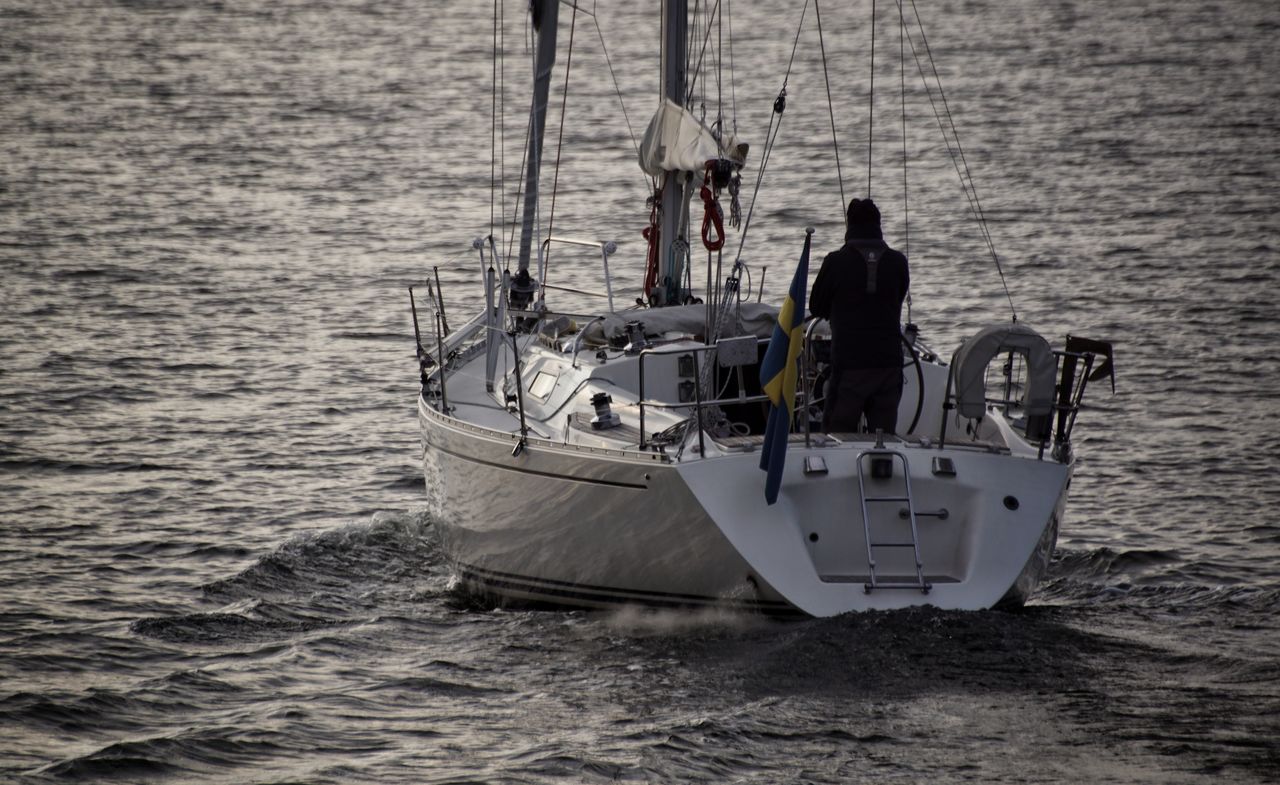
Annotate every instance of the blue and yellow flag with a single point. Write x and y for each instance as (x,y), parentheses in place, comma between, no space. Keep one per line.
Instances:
(779,373)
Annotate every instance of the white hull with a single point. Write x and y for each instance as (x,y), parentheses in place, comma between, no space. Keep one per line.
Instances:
(587,526)
(575,526)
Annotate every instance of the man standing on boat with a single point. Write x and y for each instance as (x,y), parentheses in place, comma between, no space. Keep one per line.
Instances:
(860,290)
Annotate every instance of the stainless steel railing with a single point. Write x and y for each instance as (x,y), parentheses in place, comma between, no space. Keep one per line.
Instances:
(699,403)
(606,247)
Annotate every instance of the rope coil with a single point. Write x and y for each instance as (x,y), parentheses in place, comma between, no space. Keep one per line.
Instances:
(712,215)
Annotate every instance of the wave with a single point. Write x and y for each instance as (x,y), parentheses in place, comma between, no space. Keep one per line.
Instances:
(222,628)
(389,545)
(1153,578)
(186,753)
(357,335)
(1107,563)
(312,582)
(42,465)
(427,685)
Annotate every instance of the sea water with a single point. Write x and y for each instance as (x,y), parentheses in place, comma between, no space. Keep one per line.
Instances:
(216,564)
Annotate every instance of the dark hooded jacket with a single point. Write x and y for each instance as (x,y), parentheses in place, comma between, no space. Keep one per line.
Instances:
(864,319)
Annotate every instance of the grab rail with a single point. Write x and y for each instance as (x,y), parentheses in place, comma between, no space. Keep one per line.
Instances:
(698,405)
(607,248)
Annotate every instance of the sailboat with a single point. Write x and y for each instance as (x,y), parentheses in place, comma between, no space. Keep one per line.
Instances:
(613,457)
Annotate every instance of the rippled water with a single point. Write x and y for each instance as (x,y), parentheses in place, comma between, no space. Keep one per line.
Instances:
(216,567)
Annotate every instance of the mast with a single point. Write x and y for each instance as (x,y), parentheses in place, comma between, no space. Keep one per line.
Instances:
(545,14)
(675,200)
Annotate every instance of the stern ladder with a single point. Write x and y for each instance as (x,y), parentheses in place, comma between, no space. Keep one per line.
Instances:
(873,582)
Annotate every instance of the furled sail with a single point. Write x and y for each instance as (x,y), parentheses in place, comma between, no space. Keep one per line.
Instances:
(676,141)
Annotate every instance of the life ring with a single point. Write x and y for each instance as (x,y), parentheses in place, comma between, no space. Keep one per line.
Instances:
(969,366)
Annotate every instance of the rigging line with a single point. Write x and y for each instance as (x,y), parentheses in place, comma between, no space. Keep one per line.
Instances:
(515,205)
(578,7)
(555,179)
(706,38)
(946,139)
(524,161)
(691,70)
(687,52)
(831,112)
(493,117)
(502,123)
(966,178)
(871,97)
(705,21)
(531,142)
(538,138)
(902,87)
(733,89)
(720,71)
(965,185)
(795,44)
(982,220)
(770,136)
(942,129)
(618,90)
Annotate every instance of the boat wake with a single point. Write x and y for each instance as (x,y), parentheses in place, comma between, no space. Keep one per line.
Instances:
(315,581)
(635,621)
(380,596)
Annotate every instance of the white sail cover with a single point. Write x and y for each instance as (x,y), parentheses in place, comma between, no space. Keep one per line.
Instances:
(970,365)
(676,142)
(749,318)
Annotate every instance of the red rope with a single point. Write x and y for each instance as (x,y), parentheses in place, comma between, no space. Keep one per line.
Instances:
(711,215)
(651,233)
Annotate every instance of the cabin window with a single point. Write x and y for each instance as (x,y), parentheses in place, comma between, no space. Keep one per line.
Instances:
(543,384)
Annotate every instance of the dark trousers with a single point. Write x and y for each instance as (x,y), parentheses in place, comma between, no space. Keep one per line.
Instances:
(852,393)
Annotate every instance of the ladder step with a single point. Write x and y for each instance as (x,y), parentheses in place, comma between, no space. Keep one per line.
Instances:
(899,582)
(882,585)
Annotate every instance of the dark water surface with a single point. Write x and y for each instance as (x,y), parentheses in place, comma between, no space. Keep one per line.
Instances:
(214,564)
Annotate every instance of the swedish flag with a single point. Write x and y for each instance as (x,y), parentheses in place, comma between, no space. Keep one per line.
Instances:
(779,373)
